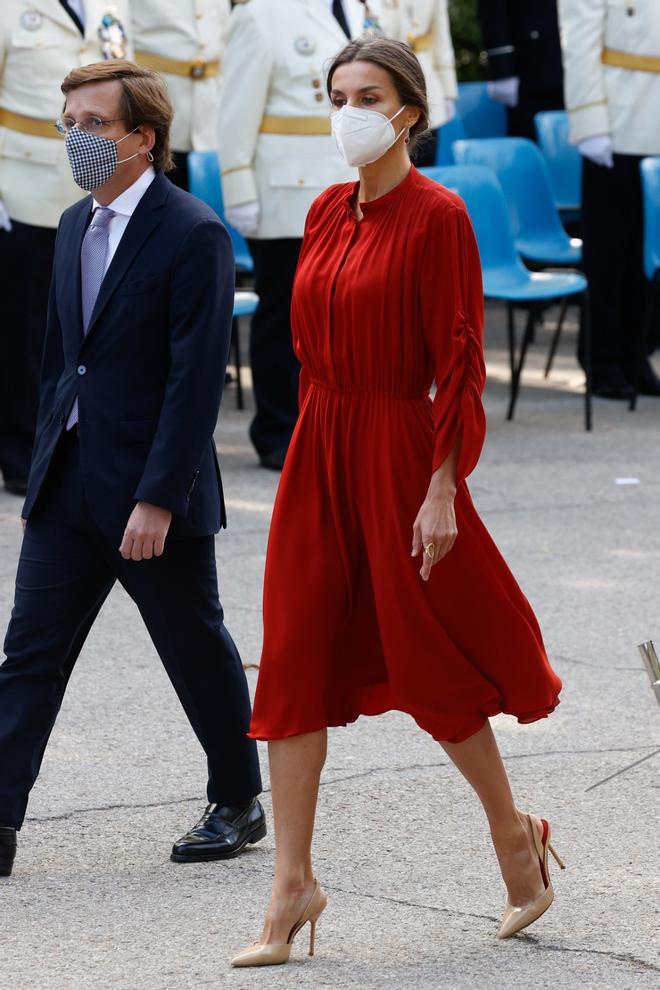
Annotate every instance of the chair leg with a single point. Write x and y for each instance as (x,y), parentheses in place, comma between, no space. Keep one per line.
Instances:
(236,347)
(556,336)
(585,334)
(515,380)
(511,337)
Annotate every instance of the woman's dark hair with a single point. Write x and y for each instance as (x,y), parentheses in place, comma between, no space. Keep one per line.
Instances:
(403,67)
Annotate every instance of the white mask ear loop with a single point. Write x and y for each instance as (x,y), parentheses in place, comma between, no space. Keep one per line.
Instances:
(122,161)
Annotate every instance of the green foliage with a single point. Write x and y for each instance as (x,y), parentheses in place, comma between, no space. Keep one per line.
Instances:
(466,37)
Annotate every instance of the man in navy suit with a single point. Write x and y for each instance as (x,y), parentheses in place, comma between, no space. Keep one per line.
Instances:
(125,483)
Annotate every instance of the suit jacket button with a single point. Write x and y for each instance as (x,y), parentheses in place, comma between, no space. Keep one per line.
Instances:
(82,369)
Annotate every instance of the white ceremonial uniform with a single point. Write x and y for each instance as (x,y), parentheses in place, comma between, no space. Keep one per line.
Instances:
(39,44)
(184,41)
(611,54)
(275,143)
(424,25)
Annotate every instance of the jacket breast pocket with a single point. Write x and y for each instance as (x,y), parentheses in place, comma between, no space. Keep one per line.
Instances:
(137,431)
(138,286)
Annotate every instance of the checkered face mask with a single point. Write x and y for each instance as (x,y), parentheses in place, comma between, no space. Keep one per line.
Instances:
(93,159)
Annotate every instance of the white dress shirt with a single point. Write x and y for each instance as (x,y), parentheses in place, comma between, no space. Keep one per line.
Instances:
(124,206)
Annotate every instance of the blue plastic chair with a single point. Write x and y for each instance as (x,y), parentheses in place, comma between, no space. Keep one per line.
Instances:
(538,231)
(523,174)
(245,304)
(650,169)
(204,182)
(650,174)
(564,161)
(505,277)
(481,116)
(452,131)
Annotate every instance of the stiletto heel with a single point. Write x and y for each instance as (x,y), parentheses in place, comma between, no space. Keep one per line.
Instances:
(559,861)
(276,953)
(514,918)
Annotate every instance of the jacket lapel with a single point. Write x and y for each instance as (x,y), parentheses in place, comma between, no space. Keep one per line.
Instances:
(144,221)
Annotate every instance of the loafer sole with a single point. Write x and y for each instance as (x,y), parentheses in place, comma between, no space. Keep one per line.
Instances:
(206,856)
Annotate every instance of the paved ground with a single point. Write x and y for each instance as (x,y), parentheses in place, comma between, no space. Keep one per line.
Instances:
(414,890)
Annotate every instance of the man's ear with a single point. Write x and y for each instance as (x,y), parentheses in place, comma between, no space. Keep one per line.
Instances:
(147,136)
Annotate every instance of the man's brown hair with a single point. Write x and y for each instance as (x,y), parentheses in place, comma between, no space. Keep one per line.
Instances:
(402,65)
(144,100)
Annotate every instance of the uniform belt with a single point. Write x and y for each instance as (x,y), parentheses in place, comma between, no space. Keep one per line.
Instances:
(627,60)
(294,125)
(28,125)
(198,68)
(420,42)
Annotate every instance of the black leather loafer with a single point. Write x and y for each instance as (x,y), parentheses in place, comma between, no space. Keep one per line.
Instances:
(7,850)
(221,832)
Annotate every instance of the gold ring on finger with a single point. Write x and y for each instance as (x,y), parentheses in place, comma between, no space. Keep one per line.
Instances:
(429,550)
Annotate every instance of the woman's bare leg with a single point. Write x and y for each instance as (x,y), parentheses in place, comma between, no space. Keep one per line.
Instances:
(478,758)
(295,770)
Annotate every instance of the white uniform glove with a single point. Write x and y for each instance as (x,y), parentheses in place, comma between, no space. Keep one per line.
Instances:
(450,109)
(598,149)
(244,217)
(5,222)
(504,91)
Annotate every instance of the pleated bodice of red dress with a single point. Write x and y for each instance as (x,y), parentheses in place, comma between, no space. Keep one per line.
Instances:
(382,308)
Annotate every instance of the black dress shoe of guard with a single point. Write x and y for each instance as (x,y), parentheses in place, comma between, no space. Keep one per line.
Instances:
(221,832)
(16,486)
(274,461)
(610,382)
(649,383)
(7,850)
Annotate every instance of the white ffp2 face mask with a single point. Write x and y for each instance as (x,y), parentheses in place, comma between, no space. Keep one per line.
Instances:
(363,136)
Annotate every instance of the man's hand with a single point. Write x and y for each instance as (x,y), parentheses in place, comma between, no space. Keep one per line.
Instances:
(598,149)
(5,222)
(145,533)
(504,91)
(245,217)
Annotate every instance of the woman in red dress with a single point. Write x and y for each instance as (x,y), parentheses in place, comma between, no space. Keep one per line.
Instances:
(388,299)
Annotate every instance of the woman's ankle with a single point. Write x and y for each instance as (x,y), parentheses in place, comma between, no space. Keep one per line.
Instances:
(292,884)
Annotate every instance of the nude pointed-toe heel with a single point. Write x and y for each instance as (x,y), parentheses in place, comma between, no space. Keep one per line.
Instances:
(277,953)
(514,918)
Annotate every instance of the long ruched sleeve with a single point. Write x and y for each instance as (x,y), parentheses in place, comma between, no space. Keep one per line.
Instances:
(452,307)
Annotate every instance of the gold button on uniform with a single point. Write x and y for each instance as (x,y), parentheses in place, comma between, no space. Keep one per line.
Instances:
(316,83)
(318,97)
(301,182)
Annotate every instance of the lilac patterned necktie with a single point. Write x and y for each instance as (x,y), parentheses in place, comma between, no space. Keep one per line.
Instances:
(92,267)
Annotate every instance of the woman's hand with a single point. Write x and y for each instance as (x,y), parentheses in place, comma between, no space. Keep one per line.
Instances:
(435,524)
(436,520)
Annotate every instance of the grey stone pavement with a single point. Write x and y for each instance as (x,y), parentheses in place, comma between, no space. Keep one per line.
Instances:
(401,843)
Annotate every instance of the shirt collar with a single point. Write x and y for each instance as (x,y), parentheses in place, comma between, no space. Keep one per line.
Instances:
(127,201)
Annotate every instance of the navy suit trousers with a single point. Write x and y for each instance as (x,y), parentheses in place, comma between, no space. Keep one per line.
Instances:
(66,570)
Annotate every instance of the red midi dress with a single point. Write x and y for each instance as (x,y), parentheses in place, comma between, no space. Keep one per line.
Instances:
(382,307)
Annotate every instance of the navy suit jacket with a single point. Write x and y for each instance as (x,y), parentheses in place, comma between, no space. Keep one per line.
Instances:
(149,373)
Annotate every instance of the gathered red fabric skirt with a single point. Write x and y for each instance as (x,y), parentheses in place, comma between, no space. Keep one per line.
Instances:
(382,307)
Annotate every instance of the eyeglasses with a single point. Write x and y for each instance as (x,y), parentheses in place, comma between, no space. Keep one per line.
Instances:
(90,124)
